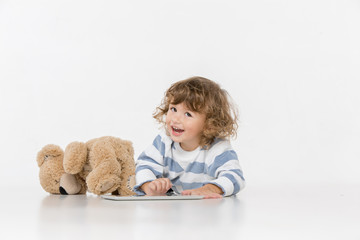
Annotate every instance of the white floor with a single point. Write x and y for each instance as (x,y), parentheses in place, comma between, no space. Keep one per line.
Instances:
(292,212)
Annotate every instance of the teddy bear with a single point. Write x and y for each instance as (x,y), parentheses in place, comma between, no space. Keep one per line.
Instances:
(101,165)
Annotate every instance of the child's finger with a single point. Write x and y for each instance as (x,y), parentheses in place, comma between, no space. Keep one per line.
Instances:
(152,186)
(161,185)
(186,192)
(168,184)
(212,196)
(165,184)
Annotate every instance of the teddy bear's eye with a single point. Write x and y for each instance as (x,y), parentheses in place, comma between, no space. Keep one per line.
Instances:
(46,156)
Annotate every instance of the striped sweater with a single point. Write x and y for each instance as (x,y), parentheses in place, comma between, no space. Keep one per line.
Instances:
(165,158)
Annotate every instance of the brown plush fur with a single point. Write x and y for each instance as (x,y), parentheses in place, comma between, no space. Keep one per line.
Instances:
(101,165)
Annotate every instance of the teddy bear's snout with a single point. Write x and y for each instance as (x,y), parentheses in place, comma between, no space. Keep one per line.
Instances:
(69,184)
(62,191)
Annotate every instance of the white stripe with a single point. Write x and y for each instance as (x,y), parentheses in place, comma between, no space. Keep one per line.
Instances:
(237,178)
(155,166)
(144,176)
(153,153)
(216,150)
(195,177)
(232,164)
(226,184)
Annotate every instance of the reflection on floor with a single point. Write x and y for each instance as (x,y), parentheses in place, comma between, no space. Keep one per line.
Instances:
(292,212)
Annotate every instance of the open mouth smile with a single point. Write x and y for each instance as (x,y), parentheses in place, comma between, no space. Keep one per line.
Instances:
(176,131)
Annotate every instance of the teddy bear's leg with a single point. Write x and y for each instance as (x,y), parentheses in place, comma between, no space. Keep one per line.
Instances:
(125,156)
(126,188)
(105,176)
(127,177)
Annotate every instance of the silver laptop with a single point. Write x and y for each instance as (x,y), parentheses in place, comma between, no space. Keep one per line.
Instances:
(152,198)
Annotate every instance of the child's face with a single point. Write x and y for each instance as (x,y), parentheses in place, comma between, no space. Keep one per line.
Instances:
(185,126)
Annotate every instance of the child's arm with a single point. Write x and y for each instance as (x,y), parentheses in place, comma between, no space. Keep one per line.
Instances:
(208,191)
(158,187)
(227,173)
(149,165)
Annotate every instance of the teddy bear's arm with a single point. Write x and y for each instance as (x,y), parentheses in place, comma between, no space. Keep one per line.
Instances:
(75,157)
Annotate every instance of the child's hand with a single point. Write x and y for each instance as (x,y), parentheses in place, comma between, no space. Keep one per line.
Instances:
(158,187)
(208,191)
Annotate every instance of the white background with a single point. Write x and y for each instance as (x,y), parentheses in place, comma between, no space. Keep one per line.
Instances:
(76,70)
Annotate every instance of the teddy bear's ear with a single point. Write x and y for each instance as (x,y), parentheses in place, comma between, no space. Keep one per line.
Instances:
(48,151)
(129,147)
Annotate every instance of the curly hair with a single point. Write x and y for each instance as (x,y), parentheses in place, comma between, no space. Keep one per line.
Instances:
(207,97)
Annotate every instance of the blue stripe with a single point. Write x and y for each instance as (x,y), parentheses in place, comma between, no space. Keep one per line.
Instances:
(193,185)
(173,165)
(159,145)
(187,186)
(221,160)
(233,180)
(145,157)
(175,180)
(196,167)
(238,172)
(142,167)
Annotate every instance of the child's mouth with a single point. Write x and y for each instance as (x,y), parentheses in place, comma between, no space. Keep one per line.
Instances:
(177,131)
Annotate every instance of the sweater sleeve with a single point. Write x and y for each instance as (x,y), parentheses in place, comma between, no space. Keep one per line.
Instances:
(227,173)
(149,165)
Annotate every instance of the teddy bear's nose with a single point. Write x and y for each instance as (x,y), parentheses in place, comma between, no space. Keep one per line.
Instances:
(62,191)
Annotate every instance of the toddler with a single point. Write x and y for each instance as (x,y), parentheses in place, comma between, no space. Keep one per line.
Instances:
(193,156)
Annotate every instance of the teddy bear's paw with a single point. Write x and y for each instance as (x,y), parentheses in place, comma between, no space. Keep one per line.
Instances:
(102,186)
(105,186)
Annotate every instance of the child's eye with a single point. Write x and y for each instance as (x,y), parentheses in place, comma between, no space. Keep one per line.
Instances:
(173,109)
(188,114)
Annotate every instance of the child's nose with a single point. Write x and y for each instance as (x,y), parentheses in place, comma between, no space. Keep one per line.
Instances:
(176,118)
